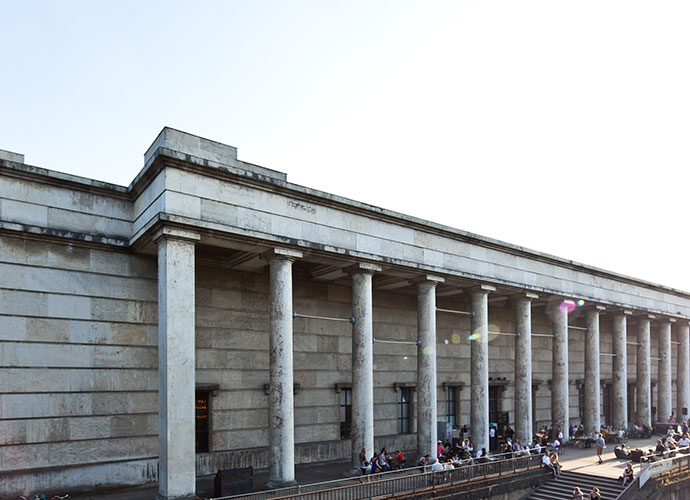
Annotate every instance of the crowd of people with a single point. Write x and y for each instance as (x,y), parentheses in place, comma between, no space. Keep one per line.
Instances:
(546,442)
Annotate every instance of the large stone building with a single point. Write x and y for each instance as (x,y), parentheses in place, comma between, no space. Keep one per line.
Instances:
(212,280)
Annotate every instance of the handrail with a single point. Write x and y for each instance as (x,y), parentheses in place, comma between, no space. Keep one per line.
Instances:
(677,463)
(380,485)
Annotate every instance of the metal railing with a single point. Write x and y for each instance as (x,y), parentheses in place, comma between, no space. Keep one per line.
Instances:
(395,482)
(678,462)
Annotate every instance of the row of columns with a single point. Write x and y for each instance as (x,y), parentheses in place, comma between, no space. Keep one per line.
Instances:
(177,367)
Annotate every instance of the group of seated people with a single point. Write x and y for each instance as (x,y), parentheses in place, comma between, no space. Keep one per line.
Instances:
(667,446)
(381,461)
(458,454)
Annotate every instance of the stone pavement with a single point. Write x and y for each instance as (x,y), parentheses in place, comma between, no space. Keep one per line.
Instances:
(584,460)
(572,459)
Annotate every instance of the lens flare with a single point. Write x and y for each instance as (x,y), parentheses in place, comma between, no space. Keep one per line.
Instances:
(474,336)
(580,303)
(428,350)
(567,306)
(456,338)
(446,341)
(404,357)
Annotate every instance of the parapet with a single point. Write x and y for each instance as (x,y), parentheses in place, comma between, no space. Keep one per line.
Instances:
(204,149)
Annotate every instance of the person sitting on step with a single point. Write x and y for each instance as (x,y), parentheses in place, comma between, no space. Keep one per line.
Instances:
(546,462)
(627,476)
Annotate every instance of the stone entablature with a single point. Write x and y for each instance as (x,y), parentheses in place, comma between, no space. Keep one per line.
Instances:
(231,203)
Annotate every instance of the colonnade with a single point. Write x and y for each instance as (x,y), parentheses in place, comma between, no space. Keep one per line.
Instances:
(176,365)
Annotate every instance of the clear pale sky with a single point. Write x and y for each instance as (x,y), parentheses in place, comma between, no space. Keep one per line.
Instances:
(559,126)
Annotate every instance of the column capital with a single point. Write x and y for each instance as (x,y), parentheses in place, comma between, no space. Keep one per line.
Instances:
(167,232)
(523,296)
(363,267)
(594,308)
(428,278)
(281,253)
(482,288)
(623,312)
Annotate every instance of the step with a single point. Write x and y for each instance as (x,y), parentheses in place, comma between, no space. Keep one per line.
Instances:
(562,488)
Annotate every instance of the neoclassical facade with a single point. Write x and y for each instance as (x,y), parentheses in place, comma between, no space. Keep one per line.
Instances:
(213,315)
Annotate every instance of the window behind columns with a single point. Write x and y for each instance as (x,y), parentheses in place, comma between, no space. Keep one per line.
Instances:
(494,392)
(452,405)
(203,400)
(632,402)
(404,410)
(607,403)
(581,401)
(345,413)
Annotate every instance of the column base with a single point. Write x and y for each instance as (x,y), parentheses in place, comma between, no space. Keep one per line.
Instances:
(183,497)
(274,484)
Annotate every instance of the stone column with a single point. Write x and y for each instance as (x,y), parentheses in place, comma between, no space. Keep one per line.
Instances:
(592,372)
(643,412)
(281,410)
(176,376)
(523,366)
(644,386)
(362,363)
(426,366)
(560,407)
(665,402)
(479,367)
(683,396)
(619,388)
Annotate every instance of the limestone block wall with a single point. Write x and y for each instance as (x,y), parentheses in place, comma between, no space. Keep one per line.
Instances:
(99,210)
(78,369)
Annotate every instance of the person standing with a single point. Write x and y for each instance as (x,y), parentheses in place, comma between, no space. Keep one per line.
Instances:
(601,444)
(492,438)
(363,462)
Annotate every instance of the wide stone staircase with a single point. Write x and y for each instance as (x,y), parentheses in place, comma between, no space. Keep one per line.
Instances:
(562,488)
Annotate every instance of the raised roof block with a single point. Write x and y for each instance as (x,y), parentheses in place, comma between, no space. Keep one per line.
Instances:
(205,149)
(193,145)
(10,156)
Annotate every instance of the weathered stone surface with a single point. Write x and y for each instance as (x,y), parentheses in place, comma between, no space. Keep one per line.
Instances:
(664,387)
(176,423)
(592,373)
(619,392)
(644,397)
(79,316)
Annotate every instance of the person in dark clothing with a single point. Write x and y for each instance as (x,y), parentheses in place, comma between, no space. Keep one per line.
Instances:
(627,475)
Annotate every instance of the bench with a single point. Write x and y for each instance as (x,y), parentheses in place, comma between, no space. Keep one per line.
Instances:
(233,482)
